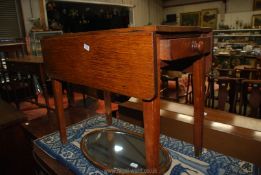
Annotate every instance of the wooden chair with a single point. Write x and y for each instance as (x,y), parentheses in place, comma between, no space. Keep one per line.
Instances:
(248,73)
(210,91)
(228,92)
(14,86)
(225,72)
(166,77)
(167,90)
(251,97)
(189,89)
(13,48)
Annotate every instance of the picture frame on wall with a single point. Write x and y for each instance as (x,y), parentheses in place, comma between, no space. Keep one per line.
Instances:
(209,18)
(257,5)
(256,21)
(190,19)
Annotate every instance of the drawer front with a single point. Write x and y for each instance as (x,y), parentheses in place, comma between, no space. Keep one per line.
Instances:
(172,49)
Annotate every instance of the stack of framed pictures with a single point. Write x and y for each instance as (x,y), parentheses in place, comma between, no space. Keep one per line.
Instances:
(203,18)
(256,19)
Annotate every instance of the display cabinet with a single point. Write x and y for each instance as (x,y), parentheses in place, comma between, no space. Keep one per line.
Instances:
(237,46)
(245,40)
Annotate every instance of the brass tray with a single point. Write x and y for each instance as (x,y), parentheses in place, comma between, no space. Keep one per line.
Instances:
(120,152)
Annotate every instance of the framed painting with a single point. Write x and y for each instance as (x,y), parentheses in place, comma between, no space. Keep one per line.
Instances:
(257,5)
(256,21)
(190,19)
(209,18)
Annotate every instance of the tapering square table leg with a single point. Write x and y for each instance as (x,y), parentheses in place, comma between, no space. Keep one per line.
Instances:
(107,102)
(151,117)
(198,85)
(58,99)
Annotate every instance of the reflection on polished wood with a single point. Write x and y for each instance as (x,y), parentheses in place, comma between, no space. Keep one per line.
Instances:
(210,114)
(9,115)
(224,132)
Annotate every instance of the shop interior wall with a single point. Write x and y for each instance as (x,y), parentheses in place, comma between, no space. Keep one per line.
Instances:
(241,10)
(145,12)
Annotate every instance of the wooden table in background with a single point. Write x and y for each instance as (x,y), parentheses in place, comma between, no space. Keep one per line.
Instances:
(15,157)
(33,65)
(13,49)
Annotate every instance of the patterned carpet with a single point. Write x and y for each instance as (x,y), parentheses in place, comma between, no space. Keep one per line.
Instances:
(183,160)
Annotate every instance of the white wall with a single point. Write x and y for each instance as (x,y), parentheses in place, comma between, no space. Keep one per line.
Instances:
(239,6)
(156,12)
(28,14)
(147,12)
(235,10)
(144,11)
(241,10)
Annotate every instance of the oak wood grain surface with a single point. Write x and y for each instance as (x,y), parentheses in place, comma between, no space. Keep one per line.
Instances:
(114,62)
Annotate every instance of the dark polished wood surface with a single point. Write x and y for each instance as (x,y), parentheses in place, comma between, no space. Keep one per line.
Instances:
(11,46)
(14,148)
(9,115)
(96,59)
(227,133)
(27,59)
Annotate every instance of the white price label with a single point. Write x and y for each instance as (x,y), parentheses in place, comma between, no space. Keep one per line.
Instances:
(86,47)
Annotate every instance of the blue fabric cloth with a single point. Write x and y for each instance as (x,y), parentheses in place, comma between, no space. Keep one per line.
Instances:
(182,153)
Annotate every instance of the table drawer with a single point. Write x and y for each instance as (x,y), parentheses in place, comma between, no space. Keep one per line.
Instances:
(171,49)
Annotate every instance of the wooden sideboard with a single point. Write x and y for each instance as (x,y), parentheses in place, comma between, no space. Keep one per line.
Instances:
(13,49)
(128,62)
(13,147)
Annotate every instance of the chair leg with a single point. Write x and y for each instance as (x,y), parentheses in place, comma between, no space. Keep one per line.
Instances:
(254,102)
(177,88)
(222,95)
(187,90)
(245,105)
(212,94)
(17,104)
(84,99)
(36,99)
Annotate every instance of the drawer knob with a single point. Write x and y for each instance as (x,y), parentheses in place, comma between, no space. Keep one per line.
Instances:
(198,46)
